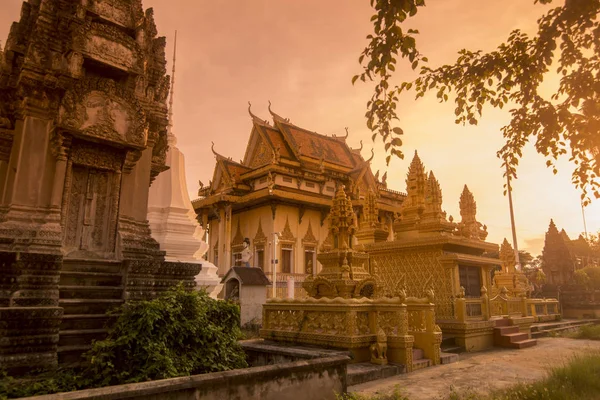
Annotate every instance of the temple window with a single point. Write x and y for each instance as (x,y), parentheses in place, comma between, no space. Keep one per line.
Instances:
(309,261)
(470,279)
(260,258)
(263,180)
(310,184)
(330,189)
(286,260)
(288,179)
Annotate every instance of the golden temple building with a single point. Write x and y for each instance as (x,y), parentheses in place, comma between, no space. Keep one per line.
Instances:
(285,184)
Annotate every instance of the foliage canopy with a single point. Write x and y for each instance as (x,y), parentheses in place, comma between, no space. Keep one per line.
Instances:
(567,123)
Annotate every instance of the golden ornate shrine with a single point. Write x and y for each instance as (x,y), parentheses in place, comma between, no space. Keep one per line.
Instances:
(346,309)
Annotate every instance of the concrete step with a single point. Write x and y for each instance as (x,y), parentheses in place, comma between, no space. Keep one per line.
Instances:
(72,355)
(90,292)
(564,329)
(88,306)
(105,266)
(365,372)
(78,278)
(417,354)
(448,358)
(502,322)
(84,321)
(80,337)
(522,344)
(506,330)
(506,340)
(453,349)
(420,364)
(562,324)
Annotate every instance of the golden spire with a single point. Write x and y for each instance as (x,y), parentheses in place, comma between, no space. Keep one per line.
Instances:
(507,256)
(342,220)
(468,206)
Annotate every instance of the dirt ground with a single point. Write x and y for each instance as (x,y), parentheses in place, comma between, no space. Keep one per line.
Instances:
(483,371)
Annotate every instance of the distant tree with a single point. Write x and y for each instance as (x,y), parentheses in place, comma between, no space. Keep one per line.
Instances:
(556,258)
(568,122)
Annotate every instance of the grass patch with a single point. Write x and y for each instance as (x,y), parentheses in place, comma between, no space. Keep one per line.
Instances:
(591,332)
(578,380)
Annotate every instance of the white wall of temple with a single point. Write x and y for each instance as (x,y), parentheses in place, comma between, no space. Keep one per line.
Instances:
(249,222)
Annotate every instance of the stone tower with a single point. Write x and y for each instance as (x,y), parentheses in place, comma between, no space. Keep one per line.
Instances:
(83,133)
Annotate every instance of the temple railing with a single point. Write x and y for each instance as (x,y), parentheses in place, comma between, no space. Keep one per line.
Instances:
(472,309)
(421,325)
(282,285)
(503,305)
(542,309)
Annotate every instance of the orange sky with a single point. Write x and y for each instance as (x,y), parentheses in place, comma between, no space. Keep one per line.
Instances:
(301,55)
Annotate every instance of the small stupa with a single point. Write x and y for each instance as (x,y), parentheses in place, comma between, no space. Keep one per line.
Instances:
(170,213)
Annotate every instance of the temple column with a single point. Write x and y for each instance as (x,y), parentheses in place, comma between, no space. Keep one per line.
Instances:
(227,248)
(222,245)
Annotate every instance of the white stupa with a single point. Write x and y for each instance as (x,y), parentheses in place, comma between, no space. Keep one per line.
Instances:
(171,216)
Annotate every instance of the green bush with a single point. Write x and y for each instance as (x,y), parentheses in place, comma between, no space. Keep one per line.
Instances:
(179,333)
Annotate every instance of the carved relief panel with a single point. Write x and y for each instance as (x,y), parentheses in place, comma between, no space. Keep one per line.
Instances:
(98,108)
(91,223)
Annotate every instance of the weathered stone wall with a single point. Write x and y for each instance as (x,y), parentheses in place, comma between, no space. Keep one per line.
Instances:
(310,379)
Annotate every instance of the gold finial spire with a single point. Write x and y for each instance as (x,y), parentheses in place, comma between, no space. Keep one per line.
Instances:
(171,137)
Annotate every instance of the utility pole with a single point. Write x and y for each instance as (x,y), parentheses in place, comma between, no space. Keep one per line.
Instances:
(274,263)
(512,218)
(584,224)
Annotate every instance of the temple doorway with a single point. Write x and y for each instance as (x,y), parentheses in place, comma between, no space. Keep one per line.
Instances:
(91,214)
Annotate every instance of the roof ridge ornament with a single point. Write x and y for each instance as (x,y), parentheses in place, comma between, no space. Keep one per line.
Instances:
(277,116)
(372,156)
(255,118)
(347,134)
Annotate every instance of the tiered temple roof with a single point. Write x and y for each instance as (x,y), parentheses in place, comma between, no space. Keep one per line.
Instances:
(311,165)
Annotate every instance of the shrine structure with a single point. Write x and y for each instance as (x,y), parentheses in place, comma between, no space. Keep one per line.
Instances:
(83,133)
(285,184)
(347,309)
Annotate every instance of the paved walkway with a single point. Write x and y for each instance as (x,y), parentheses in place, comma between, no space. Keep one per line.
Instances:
(483,371)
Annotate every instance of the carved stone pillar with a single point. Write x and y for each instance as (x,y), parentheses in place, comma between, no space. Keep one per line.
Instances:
(30,223)
(135,241)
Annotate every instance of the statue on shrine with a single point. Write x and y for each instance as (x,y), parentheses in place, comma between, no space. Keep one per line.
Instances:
(246,253)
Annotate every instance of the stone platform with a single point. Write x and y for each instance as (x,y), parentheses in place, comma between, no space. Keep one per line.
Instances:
(547,329)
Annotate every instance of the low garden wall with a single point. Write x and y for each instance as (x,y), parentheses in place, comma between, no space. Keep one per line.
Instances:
(315,375)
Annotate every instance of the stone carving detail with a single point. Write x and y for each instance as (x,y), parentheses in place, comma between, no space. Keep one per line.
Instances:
(110,45)
(469,227)
(309,238)
(414,268)
(100,108)
(262,155)
(260,238)
(379,349)
(96,157)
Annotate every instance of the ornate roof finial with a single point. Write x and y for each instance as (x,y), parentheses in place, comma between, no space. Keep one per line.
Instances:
(361,145)
(275,116)
(254,117)
(213,149)
(468,206)
(507,256)
(170,136)
(372,155)
(346,137)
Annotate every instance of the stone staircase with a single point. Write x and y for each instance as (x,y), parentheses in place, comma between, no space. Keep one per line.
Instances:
(365,372)
(506,335)
(549,328)
(87,290)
